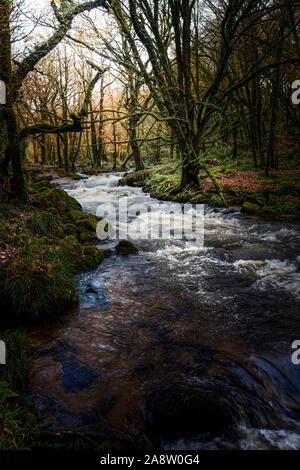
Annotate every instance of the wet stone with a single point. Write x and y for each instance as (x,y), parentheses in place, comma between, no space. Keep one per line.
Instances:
(76,377)
(60,418)
(143,370)
(57,349)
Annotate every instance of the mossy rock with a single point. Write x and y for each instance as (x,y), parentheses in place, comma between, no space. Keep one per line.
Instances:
(39,186)
(216,201)
(80,257)
(92,257)
(88,223)
(107,253)
(198,198)
(273,211)
(74,176)
(77,215)
(125,247)
(85,223)
(85,237)
(57,198)
(71,249)
(250,208)
(70,229)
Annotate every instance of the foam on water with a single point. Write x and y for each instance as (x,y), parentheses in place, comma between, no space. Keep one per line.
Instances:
(249,439)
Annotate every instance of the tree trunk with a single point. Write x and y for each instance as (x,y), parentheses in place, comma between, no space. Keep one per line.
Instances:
(13,152)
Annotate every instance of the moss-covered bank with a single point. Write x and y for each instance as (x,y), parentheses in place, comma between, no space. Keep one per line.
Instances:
(42,245)
(275,197)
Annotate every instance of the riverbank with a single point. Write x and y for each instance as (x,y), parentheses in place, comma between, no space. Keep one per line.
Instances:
(275,197)
(42,245)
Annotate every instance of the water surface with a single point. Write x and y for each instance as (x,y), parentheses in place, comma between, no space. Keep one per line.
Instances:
(182,345)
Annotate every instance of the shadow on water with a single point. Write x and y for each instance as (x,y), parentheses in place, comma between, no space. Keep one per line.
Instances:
(183,346)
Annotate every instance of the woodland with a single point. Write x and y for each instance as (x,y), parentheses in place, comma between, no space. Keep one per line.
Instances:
(193,100)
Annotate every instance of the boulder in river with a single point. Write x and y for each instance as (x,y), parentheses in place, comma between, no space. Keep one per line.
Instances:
(125,247)
(80,257)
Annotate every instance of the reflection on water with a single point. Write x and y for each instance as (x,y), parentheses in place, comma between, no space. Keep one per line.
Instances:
(189,346)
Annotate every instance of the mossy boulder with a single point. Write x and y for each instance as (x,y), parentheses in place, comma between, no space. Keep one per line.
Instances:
(80,257)
(216,201)
(271,211)
(126,247)
(76,177)
(135,178)
(106,253)
(40,186)
(58,198)
(70,229)
(249,208)
(77,215)
(85,237)
(92,257)
(86,225)
(71,250)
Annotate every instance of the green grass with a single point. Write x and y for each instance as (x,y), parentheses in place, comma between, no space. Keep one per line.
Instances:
(18,426)
(35,223)
(36,288)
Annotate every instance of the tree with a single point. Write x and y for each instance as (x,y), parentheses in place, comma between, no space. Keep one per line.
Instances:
(191,91)
(14,76)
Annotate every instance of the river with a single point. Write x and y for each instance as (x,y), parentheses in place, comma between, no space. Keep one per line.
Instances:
(182,346)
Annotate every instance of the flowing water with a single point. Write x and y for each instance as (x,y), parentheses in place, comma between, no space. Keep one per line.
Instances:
(182,345)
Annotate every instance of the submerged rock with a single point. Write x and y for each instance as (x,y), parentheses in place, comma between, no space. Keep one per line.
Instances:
(125,247)
(178,411)
(77,376)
